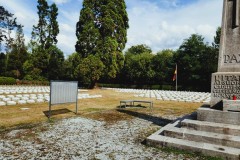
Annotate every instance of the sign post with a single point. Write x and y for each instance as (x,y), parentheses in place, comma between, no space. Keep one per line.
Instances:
(62,92)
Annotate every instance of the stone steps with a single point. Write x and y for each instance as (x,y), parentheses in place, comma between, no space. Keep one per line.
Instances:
(201,137)
(199,147)
(211,127)
(205,137)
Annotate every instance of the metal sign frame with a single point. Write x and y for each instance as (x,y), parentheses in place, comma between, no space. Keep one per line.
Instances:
(63,85)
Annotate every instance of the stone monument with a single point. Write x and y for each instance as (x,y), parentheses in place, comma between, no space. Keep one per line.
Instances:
(226,81)
(214,130)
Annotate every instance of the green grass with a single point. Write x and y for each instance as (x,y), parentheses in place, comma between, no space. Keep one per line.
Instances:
(94,109)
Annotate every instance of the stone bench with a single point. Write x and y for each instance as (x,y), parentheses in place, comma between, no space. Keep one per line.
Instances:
(131,102)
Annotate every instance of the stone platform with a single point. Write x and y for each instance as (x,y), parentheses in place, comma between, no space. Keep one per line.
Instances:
(207,135)
(218,116)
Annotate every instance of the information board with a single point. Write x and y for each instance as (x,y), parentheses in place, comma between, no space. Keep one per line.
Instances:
(63,92)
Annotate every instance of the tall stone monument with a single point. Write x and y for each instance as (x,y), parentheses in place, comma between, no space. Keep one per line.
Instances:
(226,81)
(215,132)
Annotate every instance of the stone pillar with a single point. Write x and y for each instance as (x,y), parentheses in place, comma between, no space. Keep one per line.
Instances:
(226,82)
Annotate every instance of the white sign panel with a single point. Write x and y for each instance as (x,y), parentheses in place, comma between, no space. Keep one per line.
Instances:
(63,92)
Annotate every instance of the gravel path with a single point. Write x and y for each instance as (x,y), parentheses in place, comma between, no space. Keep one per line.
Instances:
(82,138)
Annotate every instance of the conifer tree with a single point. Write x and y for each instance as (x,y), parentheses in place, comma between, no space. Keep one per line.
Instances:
(39,33)
(102,31)
(18,54)
(53,27)
(7,24)
(45,32)
(44,39)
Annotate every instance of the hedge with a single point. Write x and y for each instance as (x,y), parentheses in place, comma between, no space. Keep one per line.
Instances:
(7,81)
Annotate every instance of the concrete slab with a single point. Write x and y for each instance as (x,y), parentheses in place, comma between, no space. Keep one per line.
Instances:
(205,137)
(218,116)
(231,105)
(199,147)
(211,127)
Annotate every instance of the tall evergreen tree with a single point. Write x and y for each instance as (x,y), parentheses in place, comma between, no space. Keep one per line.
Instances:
(102,31)
(44,39)
(39,33)
(7,24)
(18,54)
(53,27)
(45,32)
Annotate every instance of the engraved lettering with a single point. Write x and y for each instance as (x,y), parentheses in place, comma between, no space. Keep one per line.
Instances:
(225,86)
(234,58)
(226,58)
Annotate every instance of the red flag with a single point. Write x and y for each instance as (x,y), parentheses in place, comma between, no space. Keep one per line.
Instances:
(174,75)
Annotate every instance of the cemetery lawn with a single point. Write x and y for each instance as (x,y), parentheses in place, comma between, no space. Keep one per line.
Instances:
(104,109)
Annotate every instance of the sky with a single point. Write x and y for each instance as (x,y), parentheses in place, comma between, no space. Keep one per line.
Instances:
(160,24)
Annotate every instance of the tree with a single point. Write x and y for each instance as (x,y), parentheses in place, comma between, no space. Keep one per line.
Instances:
(102,31)
(138,49)
(53,27)
(86,31)
(18,55)
(187,58)
(7,24)
(37,64)
(137,65)
(70,65)
(2,64)
(31,73)
(216,43)
(138,68)
(44,53)
(47,29)
(196,62)
(56,60)
(163,66)
(89,70)
(39,33)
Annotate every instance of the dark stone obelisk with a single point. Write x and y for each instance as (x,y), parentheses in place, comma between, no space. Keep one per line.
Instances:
(226,81)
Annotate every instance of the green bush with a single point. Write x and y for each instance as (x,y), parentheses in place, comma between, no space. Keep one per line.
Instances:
(33,82)
(7,81)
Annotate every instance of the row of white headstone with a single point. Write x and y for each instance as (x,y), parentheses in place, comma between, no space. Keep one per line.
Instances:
(84,96)
(24,89)
(23,99)
(181,96)
(13,95)
(33,98)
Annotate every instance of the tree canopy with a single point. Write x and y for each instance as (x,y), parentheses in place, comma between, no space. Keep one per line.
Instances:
(45,32)
(46,59)
(102,31)
(7,23)
(196,61)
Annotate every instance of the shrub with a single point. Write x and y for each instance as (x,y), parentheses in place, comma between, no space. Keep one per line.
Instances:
(7,81)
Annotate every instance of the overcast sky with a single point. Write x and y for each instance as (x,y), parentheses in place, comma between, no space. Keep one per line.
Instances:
(160,24)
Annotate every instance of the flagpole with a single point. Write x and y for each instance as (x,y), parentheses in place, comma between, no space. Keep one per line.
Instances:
(176,76)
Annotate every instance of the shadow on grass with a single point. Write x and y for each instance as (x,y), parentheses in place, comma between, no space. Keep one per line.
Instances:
(132,106)
(192,116)
(156,120)
(56,112)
